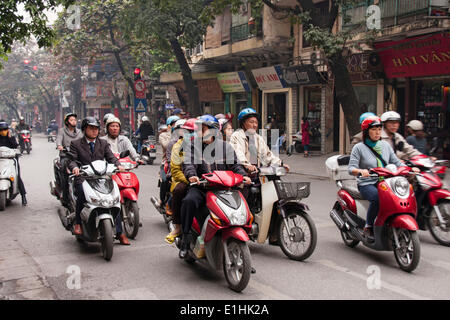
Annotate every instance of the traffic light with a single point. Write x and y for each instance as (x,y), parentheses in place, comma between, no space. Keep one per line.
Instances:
(137,74)
(26,63)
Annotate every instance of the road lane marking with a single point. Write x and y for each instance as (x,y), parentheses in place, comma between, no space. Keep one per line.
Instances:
(269,293)
(384,284)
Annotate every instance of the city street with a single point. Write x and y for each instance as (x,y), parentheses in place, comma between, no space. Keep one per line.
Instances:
(38,256)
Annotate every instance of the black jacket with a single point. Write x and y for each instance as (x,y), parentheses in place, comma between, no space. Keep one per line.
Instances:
(146,130)
(227,161)
(80,151)
(9,142)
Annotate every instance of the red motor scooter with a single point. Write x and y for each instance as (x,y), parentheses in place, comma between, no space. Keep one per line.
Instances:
(222,238)
(433,201)
(25,136)
(128,184)
(395,227)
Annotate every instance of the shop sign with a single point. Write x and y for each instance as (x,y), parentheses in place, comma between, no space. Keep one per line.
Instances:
(233,82)
(269,78)
(301,75)
(414,57)
(358,67)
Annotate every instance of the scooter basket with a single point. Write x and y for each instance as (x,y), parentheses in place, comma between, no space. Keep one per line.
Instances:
(296,190)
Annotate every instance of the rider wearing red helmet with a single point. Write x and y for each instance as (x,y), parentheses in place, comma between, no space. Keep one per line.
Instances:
(372,152)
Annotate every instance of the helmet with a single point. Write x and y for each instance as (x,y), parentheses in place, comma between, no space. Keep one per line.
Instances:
(247,113)
(68,115)
(163,127)
(145,118)
(369,122)
(3,125)
(22,119)
(178,124)
(178,111)
(210,121)
(106,117)
(190,124)
(172,119)
(223,122)
(390,116)
(89,121)
(113,120)
(220,116)
(415,125)
(365,115)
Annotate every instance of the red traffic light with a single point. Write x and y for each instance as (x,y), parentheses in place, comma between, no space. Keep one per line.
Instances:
(34,68)
(26,61)
(137,71)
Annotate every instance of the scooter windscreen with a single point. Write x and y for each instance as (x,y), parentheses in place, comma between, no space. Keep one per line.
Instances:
(104,186)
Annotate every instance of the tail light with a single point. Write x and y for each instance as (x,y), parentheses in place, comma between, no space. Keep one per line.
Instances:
(152,147)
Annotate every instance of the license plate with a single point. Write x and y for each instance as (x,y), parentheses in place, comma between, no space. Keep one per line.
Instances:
(152,154)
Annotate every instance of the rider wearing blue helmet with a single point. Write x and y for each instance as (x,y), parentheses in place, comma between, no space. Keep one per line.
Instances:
(246,138)
(359,136)
(365,115)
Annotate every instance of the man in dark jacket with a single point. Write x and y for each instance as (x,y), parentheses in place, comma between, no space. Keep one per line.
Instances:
(145,130)
(85,150)
(6,140)
(22,126)
(198,162)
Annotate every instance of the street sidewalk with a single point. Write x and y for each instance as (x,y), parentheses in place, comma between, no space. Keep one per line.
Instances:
(314,165)
(20,276)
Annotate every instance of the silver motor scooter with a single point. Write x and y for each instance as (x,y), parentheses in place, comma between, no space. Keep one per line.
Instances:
(101,208)
(8,176)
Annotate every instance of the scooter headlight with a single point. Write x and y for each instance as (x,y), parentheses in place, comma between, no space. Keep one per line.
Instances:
(237,217)
(401,187)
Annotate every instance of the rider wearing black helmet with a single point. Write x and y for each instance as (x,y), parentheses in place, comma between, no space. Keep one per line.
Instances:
(85,150)
(6,140)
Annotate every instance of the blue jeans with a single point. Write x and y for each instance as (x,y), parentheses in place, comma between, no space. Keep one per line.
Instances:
(370,193)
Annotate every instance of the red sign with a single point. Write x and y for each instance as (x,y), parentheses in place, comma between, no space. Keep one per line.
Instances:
(139,89)
(420,56)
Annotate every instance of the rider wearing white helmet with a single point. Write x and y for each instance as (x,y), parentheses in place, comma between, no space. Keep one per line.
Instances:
(145,130)
(118,142)
(391,123)
(417,137)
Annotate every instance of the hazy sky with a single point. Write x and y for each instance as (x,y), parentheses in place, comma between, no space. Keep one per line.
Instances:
(51,14)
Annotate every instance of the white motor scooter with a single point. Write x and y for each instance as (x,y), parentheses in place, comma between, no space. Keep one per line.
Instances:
(8,176)
(280,214)
(101,208)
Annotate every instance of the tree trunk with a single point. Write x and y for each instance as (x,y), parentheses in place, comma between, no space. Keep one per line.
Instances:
(345,93)
(193,103)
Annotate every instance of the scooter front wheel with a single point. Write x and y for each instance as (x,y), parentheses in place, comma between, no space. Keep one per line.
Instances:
(106,238)
(238,272)
(2,200)
(440,233)
(131,219)
(297,238)
(408,252)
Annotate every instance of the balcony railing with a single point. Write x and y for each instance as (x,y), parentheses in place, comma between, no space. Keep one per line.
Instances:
(391,11)
(246,31)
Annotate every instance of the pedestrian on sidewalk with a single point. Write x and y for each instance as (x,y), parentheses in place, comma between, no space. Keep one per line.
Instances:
(305,136)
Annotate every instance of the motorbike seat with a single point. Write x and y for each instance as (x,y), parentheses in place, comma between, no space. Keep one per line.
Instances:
(351,187)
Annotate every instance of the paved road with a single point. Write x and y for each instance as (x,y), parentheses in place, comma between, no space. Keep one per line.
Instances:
(36,253)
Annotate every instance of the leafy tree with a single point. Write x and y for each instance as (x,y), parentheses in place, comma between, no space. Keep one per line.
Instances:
(318,31)
(13,27)
(168,26)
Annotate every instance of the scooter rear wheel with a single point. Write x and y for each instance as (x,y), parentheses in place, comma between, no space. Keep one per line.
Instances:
(408,254)
(238,273)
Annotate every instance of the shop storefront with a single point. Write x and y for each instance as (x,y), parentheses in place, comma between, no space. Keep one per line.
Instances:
(422,64)
(312,102)
(277,100)
(237,92)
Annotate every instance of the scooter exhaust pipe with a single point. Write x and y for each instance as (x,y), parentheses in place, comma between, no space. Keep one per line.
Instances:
(337,219)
